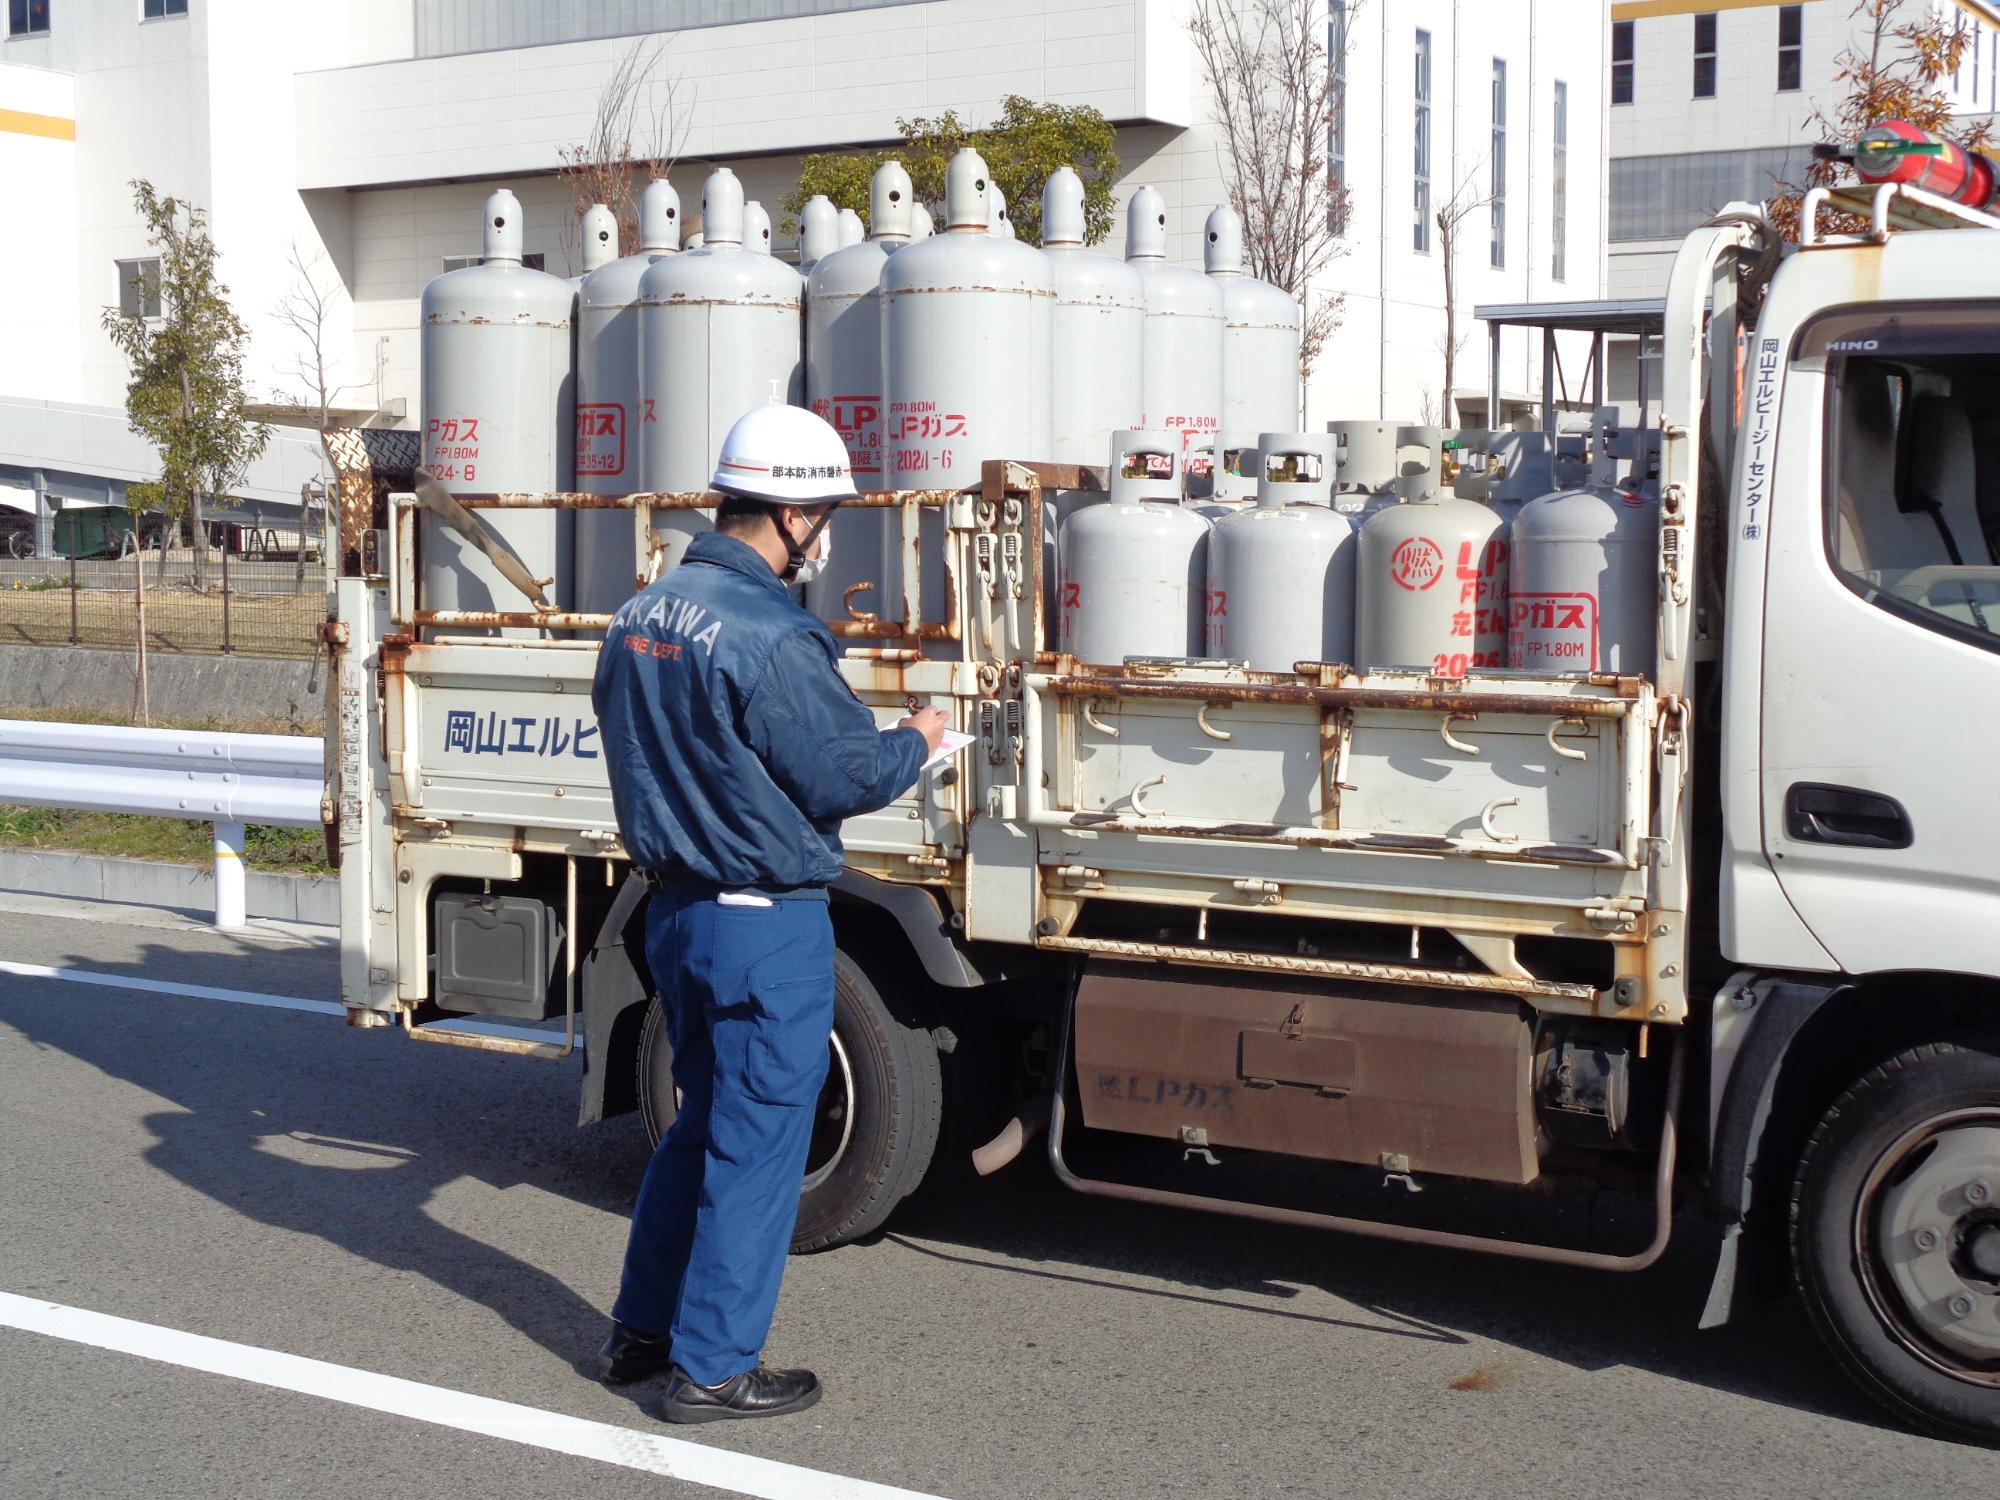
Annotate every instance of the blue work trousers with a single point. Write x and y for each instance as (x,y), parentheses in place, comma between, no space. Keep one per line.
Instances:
(748,996)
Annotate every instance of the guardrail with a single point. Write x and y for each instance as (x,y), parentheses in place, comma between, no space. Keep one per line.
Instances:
(202,776)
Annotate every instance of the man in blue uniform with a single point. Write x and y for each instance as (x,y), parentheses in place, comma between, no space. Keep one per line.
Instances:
(735,749)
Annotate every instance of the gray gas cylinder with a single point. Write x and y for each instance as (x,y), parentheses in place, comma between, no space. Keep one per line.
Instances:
(849,230)
(1237,470)
(1260,341)
(718,335)
(1098,334)
(921,225)
(756,228)
(498,408)
(844,385)
(998,223)
(1521,466)
(609,411)
(1583,592)
(597,241)
(1134,566)
(1419,461)
(1182,385)
(1281,572)
(819,231)
(967,327)
(1367,455)
(1431,588)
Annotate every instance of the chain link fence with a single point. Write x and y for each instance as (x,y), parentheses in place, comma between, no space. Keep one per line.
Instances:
(262,595)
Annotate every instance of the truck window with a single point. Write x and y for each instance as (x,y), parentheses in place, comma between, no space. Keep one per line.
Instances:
(1913,489)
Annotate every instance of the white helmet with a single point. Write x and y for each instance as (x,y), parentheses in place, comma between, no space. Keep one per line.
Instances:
(784,455)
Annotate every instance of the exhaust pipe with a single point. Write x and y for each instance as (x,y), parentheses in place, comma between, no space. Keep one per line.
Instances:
(1014,1137)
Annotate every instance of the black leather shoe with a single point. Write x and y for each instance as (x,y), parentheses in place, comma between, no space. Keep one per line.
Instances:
(628,1356)
(761,1393)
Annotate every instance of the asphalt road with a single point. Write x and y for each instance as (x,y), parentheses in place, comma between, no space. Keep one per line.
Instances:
(273,1179)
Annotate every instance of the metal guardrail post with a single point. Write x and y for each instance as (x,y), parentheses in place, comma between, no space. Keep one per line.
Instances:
(230,902)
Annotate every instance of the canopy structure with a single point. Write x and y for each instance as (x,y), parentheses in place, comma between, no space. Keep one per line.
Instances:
(1643,318)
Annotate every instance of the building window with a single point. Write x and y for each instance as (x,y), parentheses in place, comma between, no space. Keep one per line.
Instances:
(1704,55)
(27,17)
(1422,194)
(1621,61)
(1559,214)
(1789,25)
(1497,180)
(534,260)
(139,288)
(1336,146)
(159,10)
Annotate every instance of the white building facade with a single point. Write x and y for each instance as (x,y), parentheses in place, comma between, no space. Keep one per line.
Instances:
(364,136)
(1713,100)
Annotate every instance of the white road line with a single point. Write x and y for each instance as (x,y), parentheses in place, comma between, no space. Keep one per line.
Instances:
(652,1453)
(248,997)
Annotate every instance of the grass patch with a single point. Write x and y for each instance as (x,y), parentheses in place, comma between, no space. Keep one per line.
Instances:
(232,723)
(285,851)
(259,624)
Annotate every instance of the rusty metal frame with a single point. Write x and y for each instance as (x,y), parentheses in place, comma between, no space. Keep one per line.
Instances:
(1553,1255)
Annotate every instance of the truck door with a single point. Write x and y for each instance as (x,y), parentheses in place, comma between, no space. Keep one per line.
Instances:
(1881,673)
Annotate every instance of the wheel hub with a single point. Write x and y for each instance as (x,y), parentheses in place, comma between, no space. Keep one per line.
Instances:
(1939,1238)
(833,1118)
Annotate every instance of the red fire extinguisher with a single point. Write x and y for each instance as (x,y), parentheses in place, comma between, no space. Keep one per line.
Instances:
(1897,151)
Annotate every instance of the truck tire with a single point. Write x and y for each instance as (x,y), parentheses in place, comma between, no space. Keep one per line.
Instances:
(876,1126)
(1896,1236)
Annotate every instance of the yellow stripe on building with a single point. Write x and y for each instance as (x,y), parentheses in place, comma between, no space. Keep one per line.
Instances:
(20,122)
(1640,10)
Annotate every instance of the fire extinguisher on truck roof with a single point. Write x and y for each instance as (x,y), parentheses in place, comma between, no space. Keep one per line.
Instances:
(1897,151)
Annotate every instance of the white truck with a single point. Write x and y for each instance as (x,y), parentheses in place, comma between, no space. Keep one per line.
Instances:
(1728,929)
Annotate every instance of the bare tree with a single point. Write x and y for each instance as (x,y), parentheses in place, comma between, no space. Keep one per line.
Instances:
(1276,99)
(307,308)
(1466,199)
(635,137)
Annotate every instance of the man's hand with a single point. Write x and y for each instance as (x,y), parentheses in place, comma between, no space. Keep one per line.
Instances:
(928,722)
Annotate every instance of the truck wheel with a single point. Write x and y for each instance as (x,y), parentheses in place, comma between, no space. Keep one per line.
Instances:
(876,1125)
(1896,1237)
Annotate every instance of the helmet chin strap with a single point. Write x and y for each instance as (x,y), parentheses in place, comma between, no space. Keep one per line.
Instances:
(795,552)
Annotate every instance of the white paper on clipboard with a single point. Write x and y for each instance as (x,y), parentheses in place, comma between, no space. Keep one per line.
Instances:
(950,745)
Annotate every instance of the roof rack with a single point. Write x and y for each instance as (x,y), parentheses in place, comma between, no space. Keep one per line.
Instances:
(1887,206)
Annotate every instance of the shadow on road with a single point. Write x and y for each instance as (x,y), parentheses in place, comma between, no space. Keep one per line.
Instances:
(348,1136)
(253,1107)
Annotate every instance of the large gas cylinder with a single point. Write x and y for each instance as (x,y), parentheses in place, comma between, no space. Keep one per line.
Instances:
(1367,455)
(1583,588)
(756,228)
(1182,386)
(1099,332)
(921,226)
(609,412)
(819,231)
(718,335)
(1520,466)
(967,326)
(850,230)
(1281,572)
(1134,565)
(1237,471)
(1431,587)
(998,223)
(844,385)
(598,241)
(497,407)
(1260,340)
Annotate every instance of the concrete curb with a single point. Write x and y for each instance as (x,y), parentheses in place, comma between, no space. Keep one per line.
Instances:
(311,899)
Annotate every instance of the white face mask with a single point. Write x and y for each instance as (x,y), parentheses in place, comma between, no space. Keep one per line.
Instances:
(812,567)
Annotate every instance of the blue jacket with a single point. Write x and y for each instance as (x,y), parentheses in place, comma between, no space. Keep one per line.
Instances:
(733,744)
